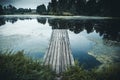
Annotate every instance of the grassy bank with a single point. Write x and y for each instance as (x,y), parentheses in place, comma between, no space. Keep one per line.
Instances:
(18,67)
(107,73)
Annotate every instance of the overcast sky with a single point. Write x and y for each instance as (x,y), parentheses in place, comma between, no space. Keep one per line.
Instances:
(24,3)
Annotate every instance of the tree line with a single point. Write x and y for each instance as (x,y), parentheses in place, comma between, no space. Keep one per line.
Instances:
(71,7)
(81,7)
(108,29)
(10,9)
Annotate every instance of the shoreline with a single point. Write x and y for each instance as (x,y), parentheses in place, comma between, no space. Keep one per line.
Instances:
(58,17)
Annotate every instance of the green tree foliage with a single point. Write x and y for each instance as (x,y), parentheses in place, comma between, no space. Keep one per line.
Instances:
(62,5)
(10,9)
(80,6)
(109,7)
(91,7)
(83,7)
(41,9)
(54,5)
(23,11)
(1,10)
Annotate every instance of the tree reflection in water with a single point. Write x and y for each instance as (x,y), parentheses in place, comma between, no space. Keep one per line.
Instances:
(109,29)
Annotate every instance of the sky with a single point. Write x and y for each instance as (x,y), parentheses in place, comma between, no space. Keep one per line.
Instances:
(24,3)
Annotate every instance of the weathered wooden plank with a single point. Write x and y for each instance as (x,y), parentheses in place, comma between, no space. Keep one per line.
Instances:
(59,55)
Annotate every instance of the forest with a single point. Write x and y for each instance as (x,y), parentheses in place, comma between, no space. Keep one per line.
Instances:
(108,8)
(10,9)
(83,7)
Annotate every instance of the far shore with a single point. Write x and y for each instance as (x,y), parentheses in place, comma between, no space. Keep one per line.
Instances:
(58,17)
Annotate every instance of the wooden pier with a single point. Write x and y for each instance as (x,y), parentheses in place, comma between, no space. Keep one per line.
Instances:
(58,54)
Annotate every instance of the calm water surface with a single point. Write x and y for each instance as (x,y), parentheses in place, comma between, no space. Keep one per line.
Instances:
(93,42)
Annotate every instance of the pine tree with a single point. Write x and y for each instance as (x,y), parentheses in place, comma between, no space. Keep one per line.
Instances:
(41,9)
(1,10)
(91,7)
(80,6)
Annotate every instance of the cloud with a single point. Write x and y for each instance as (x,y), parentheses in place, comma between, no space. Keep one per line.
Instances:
(25,3)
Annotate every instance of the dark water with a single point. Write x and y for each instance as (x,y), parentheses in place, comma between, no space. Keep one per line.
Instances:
(93,42)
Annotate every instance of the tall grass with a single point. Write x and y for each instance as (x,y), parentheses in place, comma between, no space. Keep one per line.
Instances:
(78,73)
(18,67)
(112,72)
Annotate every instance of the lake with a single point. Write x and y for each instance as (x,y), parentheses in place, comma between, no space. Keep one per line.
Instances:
(94,42)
